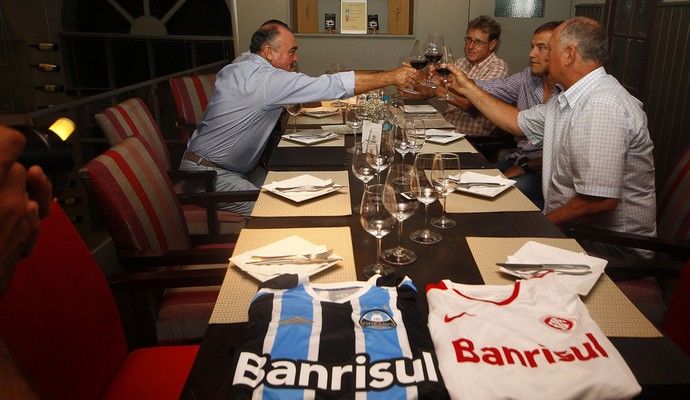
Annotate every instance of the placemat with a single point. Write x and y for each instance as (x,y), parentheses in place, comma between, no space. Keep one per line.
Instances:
(239,287)
(510,200)
(610,308)
(437,123)
(327,120)
(336,142)
(458,146)
(332,204)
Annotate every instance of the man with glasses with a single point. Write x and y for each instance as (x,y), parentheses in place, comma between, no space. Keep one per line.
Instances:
(480,63)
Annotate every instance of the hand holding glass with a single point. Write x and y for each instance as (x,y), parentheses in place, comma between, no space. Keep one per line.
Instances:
(433,53)
(444,71)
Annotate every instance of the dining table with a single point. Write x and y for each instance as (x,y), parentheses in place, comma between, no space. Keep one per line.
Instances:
(487,231)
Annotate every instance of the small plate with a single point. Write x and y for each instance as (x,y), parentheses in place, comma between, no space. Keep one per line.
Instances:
(419,108)
(320,112)
(442,137)
(310,136)
(299,197)
(484,191)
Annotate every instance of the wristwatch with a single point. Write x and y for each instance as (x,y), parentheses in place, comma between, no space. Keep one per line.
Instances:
(524,163)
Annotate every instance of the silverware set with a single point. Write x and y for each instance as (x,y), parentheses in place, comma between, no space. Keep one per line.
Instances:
(308,188)
(565,268)
(309,258)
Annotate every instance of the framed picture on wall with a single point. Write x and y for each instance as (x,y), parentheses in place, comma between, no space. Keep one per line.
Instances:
(353,16)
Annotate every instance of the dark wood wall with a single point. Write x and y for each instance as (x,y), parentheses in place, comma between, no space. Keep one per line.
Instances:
(667,85)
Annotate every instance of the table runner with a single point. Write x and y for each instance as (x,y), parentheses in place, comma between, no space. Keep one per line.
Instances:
(239,287)
(458,146)
(511,199)
(333,204)
(336,142)
(610,308)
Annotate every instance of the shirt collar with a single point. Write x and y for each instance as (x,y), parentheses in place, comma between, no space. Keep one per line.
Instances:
(575,92)
(488,60)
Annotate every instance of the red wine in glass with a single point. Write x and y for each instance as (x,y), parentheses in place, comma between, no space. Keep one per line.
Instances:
(443,71)
(418,64)
(433,57)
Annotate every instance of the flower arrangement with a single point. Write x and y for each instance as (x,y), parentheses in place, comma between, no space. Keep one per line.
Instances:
(374,108)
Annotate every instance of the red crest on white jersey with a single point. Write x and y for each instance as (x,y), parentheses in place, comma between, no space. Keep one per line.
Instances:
(562,324)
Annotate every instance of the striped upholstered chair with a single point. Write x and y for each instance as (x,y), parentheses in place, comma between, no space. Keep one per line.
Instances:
(143,214)
(192,94)
(132,118)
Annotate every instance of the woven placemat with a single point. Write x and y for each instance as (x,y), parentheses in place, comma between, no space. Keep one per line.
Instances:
(328,120)
(239,287)
(332,204)
(511,199)
(610,308)
(458,146)
(336,142)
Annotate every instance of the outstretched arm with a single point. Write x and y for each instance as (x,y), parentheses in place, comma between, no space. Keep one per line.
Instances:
(404,76)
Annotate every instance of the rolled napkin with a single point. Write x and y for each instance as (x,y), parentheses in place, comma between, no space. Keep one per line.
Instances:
(289,246)
(537,253)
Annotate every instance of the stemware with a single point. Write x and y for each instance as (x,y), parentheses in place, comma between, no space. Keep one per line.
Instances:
(447,58)
(426,194)
(416,133)
(401,141)
(377,221)
(380,151)
(444,174)
(417,60)
(353,120)
(294,110)
(402,184)
(361,168)
(433,53)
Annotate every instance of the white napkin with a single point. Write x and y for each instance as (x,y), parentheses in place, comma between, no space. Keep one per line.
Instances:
(319,112)
(537,253)
(288,246)
(442,137)
(487,191)
(419,108)
(301,180)
(305,136)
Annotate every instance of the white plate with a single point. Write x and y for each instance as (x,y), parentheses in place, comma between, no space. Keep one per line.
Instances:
(320,112)
(299,197)
(289,245)
(303,136)
(442,137)
(484,191)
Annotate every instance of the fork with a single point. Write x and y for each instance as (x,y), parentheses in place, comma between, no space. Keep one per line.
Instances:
(292,257)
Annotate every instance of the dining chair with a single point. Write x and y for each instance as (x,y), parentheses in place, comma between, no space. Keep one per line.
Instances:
(132,118)
(143,214)
(62,326)
(192,94)
(672,244)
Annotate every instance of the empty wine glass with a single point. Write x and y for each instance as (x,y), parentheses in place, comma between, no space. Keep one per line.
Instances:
(294,110)
(417,60)
(400,140)
(380,152)
(444,174)
(426,194)
(353,120)
(416,133)
(361,168)
(377,221)
(446,59)
(433,52)
(402,184)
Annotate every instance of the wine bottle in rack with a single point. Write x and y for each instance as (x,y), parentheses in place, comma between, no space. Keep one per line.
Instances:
(47,67)
(46,46)
(51,88)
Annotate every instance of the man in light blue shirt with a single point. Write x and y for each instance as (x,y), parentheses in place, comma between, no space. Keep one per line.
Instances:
(598,167)
(248,100)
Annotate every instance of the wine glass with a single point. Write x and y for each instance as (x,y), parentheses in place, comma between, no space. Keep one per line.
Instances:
(377,221)
(400,140)
(402,184)
(380,152)
(433,52)
(361,168)
(426,194)
(447,58)
(445,171)
(415,132)
(353,121)
(417,60)
(294,110)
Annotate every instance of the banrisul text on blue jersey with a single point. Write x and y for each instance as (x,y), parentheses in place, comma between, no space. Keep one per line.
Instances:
(253,370)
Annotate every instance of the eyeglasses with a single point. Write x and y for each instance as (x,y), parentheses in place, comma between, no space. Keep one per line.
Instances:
(476,42)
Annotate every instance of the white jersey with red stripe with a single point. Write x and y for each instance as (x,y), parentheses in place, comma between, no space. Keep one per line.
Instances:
(531,340)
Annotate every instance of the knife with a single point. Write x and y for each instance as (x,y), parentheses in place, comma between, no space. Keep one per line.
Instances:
(570,269)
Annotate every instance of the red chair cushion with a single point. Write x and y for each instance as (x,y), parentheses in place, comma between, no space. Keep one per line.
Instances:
(155,373)
(677,320)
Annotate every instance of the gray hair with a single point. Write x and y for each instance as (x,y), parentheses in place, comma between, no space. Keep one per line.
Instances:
(588,36)
(269,33)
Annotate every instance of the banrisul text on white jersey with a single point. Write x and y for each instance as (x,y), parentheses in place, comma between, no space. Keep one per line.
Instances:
(253,370)
(501,355)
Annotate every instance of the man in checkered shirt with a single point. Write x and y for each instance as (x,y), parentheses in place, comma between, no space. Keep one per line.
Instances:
(598,166)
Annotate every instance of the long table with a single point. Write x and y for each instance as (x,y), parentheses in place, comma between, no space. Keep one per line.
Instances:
(659,365)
